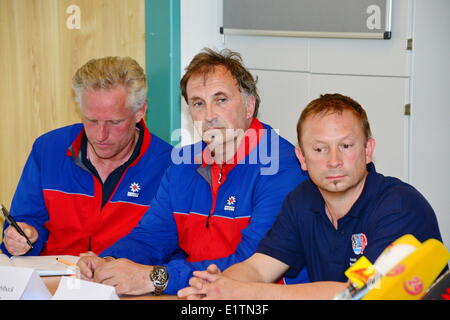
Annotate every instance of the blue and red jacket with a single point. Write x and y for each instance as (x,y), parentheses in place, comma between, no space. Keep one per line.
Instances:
(58,195)
(204,213)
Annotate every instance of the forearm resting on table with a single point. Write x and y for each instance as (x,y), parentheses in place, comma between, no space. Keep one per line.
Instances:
(244,272)
(324,290)
(259,274)
(257,268)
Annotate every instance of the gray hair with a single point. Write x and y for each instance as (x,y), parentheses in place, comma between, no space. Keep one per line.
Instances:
(108,72)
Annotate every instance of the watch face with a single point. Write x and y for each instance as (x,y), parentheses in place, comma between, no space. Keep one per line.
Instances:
(159,276)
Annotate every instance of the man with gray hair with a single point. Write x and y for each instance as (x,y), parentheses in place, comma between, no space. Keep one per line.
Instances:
(218,202)
(87,185)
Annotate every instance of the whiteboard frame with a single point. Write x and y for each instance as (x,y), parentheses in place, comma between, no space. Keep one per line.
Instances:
(385,35)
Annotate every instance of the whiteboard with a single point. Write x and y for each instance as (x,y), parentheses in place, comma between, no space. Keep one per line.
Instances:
(366,19)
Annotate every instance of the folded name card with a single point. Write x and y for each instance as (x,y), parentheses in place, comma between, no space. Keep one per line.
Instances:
(22,284)
(71,288)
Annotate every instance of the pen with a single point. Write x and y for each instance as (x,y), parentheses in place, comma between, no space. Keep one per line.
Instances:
(13,222)
(68,263)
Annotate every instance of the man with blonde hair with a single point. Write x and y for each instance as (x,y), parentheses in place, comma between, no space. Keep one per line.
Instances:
(87,185)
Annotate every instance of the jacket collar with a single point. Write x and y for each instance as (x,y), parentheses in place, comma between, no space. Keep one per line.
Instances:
(74,149)
(248,144)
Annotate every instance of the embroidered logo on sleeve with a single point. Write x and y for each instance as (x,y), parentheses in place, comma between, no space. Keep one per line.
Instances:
(359,243)
(134,189)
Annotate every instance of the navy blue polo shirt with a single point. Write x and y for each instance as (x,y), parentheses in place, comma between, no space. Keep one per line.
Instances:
(303,235)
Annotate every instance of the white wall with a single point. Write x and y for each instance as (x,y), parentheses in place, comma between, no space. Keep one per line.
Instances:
(374,72)
(380,74)
(430,118)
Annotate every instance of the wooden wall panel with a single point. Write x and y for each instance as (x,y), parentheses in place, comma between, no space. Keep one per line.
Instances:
(38,56)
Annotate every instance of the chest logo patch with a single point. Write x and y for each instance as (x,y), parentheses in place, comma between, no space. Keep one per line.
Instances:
(359,243)
(231,203)
(134,190)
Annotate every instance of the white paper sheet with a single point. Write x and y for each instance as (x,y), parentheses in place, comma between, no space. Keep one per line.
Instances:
(44,265)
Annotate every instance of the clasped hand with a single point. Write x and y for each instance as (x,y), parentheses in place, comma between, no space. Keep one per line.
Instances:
(210,284)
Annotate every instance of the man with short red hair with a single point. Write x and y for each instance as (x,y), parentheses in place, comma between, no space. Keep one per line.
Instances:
(344,211)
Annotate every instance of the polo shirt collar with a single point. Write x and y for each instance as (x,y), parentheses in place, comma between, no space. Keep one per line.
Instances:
(370,189)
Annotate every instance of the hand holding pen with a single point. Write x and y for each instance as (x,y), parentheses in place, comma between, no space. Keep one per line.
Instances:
(19,236)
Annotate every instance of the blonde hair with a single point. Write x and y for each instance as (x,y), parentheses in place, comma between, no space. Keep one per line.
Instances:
(108,72)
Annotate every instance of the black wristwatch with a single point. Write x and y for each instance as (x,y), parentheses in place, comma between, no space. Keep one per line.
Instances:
(159,277)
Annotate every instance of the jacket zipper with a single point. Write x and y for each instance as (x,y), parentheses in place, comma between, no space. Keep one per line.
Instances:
(219,181)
